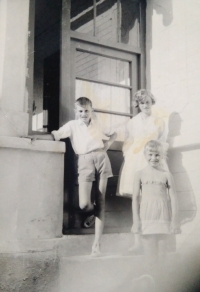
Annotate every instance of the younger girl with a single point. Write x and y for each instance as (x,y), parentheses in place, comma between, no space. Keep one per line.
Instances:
(153,216)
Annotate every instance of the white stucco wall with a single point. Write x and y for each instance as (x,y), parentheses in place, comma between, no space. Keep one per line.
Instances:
(14,34)
(173,75)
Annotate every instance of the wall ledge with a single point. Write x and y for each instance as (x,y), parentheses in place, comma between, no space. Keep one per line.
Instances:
(181,142)
(190,141)
(32,145)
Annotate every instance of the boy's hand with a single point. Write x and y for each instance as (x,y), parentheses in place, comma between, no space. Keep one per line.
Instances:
(32,138)
(106,145)
(54,133)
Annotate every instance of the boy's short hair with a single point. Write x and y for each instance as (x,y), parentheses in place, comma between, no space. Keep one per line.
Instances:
(83,101)
(141,95)
(154,145)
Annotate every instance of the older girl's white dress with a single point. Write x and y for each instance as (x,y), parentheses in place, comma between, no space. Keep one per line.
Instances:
(141,131)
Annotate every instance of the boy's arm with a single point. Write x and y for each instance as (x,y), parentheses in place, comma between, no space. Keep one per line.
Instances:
(108,142)
(39,137)
(174,205)
(135,203)
(62,132)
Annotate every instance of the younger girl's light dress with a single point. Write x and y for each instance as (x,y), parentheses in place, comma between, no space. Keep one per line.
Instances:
(155,213)
(141,131)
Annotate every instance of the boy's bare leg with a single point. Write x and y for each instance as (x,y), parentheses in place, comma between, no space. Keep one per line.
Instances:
(85,196)
(100,212)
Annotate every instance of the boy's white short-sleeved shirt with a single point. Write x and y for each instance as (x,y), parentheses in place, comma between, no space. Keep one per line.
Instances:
(84,138)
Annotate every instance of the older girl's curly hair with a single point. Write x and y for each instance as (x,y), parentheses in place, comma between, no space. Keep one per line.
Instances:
(141,95)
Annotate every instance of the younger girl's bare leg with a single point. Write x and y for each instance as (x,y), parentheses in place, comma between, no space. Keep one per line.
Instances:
(146,282)
(162,245)
(100,214)
(163,276)
(150,250)
(162,251)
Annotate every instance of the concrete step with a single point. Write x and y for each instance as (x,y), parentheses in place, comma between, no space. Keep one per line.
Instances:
(118,273)
(73,245)
(108,273)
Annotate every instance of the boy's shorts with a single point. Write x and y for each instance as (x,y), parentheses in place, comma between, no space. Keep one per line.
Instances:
(95,162)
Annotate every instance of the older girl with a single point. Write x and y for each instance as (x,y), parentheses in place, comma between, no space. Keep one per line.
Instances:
(141,129)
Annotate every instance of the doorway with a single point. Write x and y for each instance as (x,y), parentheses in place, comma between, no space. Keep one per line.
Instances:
(51,92)
(109,77)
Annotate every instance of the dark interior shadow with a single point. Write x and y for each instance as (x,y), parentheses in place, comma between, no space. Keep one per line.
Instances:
(186,198)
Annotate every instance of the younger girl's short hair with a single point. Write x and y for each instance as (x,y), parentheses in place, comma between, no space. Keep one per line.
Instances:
(153,145)
(83,101)
(141,95)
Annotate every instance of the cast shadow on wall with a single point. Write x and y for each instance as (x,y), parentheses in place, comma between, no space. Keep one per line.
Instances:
(164,8)
(186,197)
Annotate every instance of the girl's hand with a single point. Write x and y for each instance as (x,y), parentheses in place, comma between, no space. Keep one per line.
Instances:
(175,228)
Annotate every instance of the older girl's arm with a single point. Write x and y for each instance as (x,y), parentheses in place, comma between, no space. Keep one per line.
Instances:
(135,203)
(128,137)
(109,142)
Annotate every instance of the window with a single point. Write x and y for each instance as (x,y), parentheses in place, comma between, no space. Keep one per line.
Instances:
(113,20)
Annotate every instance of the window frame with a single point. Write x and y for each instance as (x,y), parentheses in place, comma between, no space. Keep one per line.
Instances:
(67,70)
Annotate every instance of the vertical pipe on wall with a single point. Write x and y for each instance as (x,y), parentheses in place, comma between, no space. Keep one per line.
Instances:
(95,16)
(66,100)
(30,62)
(119,21)
(142,66)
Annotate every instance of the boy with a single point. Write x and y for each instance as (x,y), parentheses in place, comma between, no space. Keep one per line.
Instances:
(90,144)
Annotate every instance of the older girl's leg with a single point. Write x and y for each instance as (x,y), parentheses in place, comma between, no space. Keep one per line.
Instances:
(100,214)
(137,245)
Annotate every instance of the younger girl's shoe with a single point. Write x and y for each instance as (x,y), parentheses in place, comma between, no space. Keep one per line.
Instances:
(96,250)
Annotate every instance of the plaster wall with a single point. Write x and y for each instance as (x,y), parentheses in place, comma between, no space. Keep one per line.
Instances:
(14,36)
(173,61)
(31,189)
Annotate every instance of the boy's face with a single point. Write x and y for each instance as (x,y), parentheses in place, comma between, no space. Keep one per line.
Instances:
(145,106)
(84,113)
(152,157)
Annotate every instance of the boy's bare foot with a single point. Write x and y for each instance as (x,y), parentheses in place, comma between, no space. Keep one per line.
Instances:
(96,250)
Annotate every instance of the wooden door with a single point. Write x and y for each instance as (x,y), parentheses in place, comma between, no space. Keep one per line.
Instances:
(109,77)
